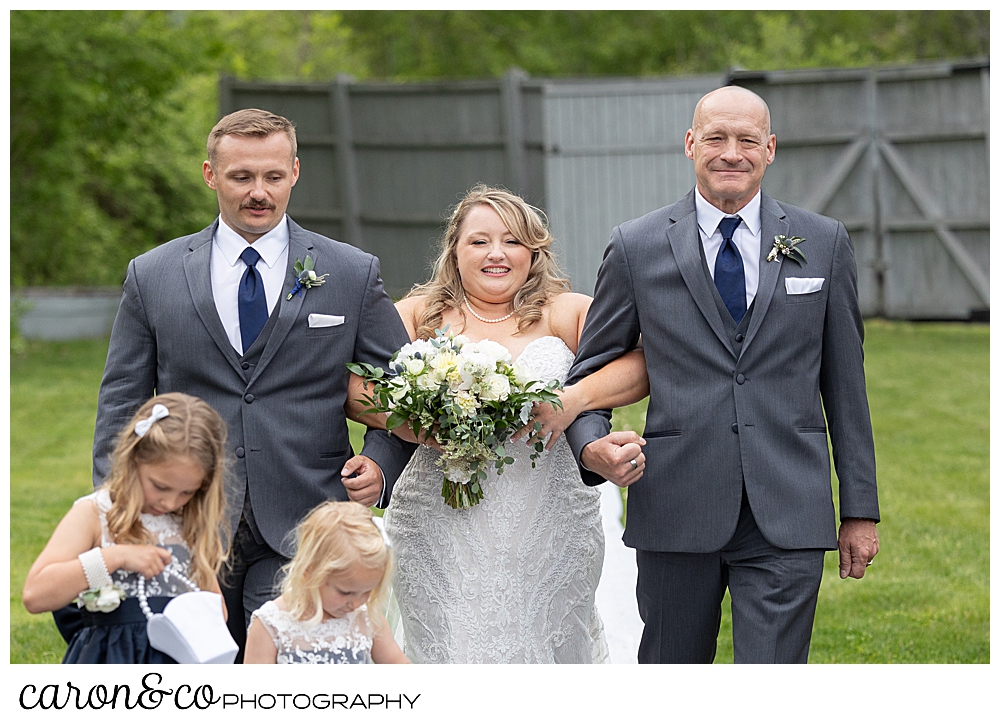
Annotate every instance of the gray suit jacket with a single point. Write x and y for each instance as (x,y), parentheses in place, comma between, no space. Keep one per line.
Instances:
(288,437)
(721,412)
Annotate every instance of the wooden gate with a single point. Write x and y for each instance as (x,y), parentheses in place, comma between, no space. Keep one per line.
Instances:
(901,156)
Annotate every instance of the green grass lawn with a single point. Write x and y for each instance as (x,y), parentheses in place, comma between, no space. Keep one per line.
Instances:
(926,599)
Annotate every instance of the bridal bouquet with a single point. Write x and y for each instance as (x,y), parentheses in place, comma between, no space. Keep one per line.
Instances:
(468,395)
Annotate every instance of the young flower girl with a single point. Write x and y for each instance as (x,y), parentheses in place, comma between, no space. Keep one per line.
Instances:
(157,517)
(334,587)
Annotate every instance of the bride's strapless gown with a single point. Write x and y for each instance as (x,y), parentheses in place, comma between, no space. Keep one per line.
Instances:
(512,579)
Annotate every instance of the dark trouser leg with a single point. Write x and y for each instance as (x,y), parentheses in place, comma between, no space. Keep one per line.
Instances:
(680,603)
(249,582)
(774,593)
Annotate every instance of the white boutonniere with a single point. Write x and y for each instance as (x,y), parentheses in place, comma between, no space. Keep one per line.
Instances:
(305,277)
(789,246)
(101,600)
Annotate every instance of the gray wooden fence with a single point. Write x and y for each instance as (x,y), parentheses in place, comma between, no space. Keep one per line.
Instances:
(900,155)
(382,163)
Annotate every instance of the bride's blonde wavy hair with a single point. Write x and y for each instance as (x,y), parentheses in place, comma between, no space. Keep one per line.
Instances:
(529,226)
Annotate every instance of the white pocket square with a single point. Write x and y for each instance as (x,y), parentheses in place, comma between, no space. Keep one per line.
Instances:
(328,320)
(803,285)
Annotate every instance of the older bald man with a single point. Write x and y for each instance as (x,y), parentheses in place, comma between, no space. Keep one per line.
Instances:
(748,312)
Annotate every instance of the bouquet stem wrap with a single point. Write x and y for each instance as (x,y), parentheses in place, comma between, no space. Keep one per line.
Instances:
(469,396)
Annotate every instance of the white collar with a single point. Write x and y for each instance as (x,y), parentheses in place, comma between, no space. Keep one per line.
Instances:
(270,246)
(709,216)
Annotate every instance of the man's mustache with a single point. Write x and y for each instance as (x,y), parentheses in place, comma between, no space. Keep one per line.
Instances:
(257,205)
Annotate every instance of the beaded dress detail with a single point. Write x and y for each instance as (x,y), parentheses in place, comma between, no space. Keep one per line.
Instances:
(167,531)
(511,579)
(345,640)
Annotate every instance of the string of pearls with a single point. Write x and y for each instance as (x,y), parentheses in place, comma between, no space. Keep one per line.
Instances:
(465,300)
(144,603)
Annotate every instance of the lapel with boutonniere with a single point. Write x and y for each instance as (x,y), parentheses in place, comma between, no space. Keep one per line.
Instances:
(299,247)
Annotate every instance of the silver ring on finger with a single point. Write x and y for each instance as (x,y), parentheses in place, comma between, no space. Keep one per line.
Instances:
(868,564)
(634,464)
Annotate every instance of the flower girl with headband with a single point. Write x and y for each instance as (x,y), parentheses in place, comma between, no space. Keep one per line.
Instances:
(328,611)
(157,517)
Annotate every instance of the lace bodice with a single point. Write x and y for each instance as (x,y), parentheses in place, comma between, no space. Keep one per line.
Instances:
(168,532)
(346,640)
(512,579)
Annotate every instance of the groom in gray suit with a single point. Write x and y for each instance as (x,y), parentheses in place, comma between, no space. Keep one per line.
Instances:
(219,314)
(753,357)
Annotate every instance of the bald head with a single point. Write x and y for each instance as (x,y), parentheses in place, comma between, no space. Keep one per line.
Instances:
(732,100)
(731,144)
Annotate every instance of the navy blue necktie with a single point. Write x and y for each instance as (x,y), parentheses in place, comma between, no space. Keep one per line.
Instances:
(729,277)
(253,304)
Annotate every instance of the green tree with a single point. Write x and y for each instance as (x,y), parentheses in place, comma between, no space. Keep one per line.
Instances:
(434,43)
(103,164)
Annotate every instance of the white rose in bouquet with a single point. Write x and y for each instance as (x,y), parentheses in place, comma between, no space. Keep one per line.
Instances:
(430,380)
(476,362)
(526,377)
(399,388)
(418,346)
(496,387)
(494,350)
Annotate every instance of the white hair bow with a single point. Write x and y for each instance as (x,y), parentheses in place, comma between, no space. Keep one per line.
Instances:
(158,413)
(380,524)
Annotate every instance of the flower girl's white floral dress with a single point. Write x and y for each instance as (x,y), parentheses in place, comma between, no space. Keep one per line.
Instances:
(345,640)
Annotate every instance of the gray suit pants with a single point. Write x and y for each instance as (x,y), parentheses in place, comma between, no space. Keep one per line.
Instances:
(773,593)
(250,580)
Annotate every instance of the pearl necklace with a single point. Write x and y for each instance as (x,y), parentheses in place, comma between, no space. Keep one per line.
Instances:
(465,300)
(144,602)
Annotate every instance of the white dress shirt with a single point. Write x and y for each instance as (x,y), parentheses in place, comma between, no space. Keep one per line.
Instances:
(746,237)
(228,268)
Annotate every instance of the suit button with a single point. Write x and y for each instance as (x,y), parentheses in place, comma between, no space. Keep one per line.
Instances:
(245,365)
(740,379)
(239,452)
(739,338)
(248,398)
(736,428)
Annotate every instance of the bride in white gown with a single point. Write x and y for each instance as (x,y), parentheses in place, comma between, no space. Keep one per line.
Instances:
(511,579)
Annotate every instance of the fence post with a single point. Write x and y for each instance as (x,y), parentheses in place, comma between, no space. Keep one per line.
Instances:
(512,116)
(878,232)
(984,75)
(226,95)
(347,167)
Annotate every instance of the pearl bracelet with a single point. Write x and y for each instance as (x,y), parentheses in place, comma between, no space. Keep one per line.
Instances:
(95,569)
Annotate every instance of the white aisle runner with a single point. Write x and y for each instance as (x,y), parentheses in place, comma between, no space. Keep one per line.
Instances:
(616,592)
